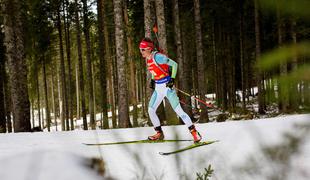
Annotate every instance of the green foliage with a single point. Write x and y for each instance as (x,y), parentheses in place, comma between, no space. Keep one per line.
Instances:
(274,58)
(302,73)
(290,60)
(206,174)
(38,39)
(39,26)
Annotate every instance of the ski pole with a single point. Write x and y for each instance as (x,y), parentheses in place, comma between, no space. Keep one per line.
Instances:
(191,106)
(203,102)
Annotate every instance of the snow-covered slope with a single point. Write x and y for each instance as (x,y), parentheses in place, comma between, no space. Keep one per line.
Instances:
(237,155)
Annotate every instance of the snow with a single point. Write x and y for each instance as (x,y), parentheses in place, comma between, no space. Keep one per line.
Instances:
(62,156)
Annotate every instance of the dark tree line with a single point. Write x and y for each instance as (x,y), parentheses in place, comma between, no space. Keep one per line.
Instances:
(63,61)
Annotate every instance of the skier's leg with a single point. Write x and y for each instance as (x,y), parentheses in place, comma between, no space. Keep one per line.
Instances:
(175,103)
(155,100)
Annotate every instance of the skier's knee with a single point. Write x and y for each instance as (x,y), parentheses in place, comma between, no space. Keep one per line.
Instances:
(151,110)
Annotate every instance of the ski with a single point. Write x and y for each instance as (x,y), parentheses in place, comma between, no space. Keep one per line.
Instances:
(135,142)
(188,147)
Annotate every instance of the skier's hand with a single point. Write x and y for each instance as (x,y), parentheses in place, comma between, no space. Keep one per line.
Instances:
(170,84)
(152,84)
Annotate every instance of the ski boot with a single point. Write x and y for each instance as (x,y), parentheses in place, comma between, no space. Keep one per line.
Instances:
(196,135)
(158,136)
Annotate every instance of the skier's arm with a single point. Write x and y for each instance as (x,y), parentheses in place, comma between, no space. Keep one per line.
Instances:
(174,66)
(162,59)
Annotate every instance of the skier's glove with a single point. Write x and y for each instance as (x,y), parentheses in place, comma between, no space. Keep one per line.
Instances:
(170,83)
(152,84)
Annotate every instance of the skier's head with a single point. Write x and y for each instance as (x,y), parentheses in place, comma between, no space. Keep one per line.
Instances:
(146,47)
(146,44)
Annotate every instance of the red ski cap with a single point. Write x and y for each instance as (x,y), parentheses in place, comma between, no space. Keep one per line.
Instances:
(146,45)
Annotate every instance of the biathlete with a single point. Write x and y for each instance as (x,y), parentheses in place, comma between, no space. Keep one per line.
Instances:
(162,82)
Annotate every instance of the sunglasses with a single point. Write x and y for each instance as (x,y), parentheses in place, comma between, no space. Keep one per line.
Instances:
(142,50)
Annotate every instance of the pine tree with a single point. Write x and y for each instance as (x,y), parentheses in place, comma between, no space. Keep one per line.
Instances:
(261,102)
(123,112)
(88,64)
(67,23)
(64,107)
(200,62)
(15,52)
(102,58)
(2,81)
(133,89)
(80,64)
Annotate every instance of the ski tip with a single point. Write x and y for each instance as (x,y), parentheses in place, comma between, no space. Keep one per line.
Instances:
(205,142)
(162,153)
(90,144)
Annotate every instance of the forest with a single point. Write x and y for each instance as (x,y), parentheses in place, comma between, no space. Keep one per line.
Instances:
(67,60)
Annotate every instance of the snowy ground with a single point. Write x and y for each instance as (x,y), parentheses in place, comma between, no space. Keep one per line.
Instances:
(238,155)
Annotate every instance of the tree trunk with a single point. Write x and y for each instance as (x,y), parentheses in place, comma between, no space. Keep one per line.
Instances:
(133,98)
(241,29)
(112,97)
(215,63)
(146,92)
(8,101)
(110,75)
(183,81)
(123,114)
(259,76)
(230,75)
(102,59)
(77,88)
(64,117)
(32,113)
(147,31)
(68,50)
(38,96)
(2,95)
(14,42)
(185,73)
(225,66)
(53,101)
(60,103)
(147,18)
(94,92)
(47,110)
(43,123)
(294,86)
(80,65)
(160,15)
(2,85)
(283,91)
(219,94)
(88,63)
(200,62)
